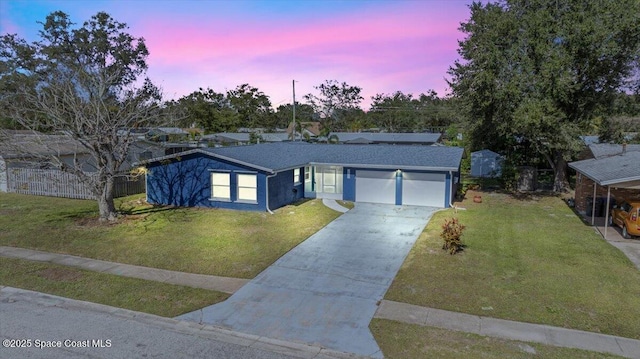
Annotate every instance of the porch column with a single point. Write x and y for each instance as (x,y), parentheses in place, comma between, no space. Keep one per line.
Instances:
(593,205)
(606,217)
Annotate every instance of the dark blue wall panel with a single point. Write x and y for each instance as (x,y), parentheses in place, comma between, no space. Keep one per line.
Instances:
(447,190)
(283,191)
(186,181)
(349,184)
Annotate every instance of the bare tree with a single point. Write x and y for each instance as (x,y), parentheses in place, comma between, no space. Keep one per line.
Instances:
(86,84)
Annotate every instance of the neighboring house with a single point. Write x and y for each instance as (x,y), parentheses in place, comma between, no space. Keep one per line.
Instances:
(594,139)
(31,149)
(267,176)
(602,150)
(142,150)
(167,134)
(29,164)
(590,140)
(244,138)
(486,163)
(389,138)
(310,129)
(611,170)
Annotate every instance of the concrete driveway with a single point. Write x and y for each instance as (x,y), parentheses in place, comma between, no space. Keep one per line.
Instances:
(630,247)
(325,291)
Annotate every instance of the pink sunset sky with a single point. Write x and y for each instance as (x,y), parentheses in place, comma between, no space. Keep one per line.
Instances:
(380,46)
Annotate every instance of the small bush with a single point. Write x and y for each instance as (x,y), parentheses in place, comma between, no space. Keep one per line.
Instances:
(451,233)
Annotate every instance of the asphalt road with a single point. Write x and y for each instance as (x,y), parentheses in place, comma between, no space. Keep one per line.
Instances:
(52,327)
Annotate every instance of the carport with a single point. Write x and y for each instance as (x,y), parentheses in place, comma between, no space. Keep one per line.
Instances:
(619,172)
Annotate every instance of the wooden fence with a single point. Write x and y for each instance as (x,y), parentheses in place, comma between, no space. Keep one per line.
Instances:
(55,183)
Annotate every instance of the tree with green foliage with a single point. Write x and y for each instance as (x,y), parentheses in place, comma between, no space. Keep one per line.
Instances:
(208,110)
(536,72)
(335,103)
(622,123)
(252,105)
(284,114)
(86,83)
(399,112)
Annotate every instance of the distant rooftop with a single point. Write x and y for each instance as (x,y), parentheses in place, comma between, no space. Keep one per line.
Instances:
(600,150)
(389,137)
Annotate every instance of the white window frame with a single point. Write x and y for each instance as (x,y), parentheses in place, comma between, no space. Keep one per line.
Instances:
(221,189)
(296,175)
(247,191)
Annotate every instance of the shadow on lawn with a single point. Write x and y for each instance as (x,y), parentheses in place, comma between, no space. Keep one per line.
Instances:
(133,211)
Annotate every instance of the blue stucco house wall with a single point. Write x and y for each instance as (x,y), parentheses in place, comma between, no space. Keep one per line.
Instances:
(401,175)
(186,181)
(282,189)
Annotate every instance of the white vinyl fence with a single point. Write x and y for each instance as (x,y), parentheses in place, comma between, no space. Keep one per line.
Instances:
(55,183)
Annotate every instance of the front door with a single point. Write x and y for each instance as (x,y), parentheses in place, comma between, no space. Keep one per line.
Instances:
(328,182)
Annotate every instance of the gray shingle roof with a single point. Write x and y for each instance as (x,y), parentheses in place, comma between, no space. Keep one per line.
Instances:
(246,137)
(30,143)
(600,150)
(371,137)
(274,157)
(611,170)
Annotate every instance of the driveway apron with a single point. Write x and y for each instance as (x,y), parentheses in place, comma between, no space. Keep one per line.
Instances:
(325,291)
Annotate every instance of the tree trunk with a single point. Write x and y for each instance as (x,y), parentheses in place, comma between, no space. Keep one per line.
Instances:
(560,178)
(106,206)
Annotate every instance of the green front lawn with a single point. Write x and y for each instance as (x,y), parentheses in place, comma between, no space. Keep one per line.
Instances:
(402,341)
(163,299)
(527,259)
(208,241)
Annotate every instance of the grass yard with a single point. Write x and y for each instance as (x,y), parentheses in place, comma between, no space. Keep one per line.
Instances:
(402,341)
(208,241)
(167,300)
(527,259)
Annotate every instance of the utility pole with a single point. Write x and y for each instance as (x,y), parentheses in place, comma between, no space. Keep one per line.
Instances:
(293,133)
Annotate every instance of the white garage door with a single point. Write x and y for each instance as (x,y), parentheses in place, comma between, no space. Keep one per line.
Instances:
(423,189)
(376,186)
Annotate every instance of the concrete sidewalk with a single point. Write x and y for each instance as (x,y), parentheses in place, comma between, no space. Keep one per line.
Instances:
(210,282)
(402,312)
(507,329)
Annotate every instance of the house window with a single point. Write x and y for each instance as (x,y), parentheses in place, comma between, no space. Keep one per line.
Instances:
(221,186)
(296,175)
(247,187)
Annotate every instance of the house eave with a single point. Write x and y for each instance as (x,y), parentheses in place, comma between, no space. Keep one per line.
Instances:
(619,181)
(207,153)
(387,167)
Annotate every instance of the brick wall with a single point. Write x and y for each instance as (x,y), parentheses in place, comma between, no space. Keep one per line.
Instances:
(584,189)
